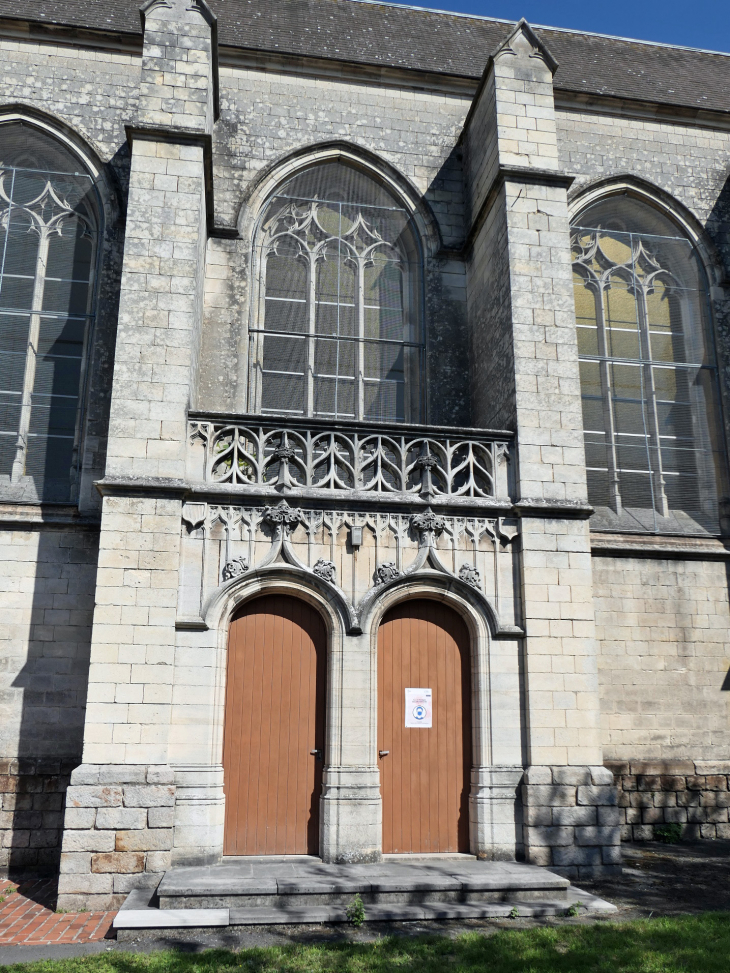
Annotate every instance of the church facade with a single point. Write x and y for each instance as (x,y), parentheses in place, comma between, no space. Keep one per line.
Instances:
(363,441)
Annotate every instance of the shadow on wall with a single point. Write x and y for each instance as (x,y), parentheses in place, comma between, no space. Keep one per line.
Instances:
(49,574)
(718,229)
(53,680)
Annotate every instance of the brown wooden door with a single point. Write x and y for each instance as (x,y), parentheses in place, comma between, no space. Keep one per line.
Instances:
(275,713)
(425,778)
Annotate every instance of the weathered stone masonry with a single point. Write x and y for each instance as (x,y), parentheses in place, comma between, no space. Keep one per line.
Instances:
(600,663)
(693,794)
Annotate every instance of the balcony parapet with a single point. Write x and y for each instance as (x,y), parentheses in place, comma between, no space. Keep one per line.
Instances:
(254,455)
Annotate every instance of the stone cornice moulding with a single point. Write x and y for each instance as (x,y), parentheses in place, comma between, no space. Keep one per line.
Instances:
(539,507)
(201,491)
(34,516)
(119,486)
(677,547)
(121,41)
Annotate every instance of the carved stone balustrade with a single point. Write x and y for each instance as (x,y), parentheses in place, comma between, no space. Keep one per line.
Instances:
(346,461)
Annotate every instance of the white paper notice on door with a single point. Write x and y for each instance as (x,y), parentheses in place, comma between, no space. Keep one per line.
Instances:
(419,711)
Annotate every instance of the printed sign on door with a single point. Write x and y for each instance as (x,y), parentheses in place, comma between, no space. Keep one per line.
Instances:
(419,711)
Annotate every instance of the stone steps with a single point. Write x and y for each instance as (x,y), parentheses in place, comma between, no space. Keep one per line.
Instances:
(137,917)
(309,883)
(279,891)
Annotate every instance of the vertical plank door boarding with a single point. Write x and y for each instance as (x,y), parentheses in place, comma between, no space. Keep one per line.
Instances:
(425,777)
(274,718)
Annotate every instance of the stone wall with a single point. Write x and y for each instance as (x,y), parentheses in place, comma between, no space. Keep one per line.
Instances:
(47,580)
(664,659)
(571,820)
(694,794)
(32,796)
(118,833)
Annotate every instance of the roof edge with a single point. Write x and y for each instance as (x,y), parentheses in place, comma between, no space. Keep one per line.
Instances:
(562,30)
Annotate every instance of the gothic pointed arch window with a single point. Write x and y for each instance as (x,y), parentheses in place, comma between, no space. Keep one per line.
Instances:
(336,330)
(48,242)
(649,382)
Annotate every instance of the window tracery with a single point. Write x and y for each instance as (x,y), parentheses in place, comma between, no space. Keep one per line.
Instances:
(47,256)
(648,371)
(336,330)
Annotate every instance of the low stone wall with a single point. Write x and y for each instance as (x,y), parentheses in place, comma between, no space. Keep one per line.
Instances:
(31,815)
(692,793)
(571,820)
(118,833)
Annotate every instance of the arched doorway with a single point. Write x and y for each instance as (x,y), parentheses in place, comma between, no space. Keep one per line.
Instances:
(425,775)
(273,743)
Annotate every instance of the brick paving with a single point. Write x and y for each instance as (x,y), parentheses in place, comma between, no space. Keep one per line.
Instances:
(27,917)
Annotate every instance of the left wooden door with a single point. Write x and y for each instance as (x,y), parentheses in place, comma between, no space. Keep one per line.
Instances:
(274,719)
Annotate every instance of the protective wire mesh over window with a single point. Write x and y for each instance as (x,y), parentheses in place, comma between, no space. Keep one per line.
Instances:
(648,372)
(336,330)
(47,255)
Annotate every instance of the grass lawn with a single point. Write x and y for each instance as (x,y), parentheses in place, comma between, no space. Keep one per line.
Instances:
(697,943)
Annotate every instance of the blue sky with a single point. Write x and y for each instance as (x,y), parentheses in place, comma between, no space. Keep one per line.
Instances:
(695,23)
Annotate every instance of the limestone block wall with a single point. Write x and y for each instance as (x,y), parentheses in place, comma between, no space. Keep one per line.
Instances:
(695,794)
(32,798)
(47,579)
(571,820)
(118,833)
(664,660)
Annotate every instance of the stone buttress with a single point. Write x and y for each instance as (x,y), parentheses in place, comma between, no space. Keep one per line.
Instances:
(525,377)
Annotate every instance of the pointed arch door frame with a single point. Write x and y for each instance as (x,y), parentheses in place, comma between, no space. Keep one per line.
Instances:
(494,820)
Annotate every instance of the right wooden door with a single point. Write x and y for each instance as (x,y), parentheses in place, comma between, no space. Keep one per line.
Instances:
(425,776)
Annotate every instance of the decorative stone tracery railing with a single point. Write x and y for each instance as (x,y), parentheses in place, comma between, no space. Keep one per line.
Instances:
(430,464)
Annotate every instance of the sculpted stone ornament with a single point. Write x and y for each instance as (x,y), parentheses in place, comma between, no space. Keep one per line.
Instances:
(469,573)
(284,516)
(428,521)
(235,568)
(325,570)
(386,572)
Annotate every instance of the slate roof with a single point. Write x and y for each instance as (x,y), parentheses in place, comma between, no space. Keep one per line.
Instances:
(423,40)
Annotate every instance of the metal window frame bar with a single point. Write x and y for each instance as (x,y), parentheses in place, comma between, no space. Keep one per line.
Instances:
(651,399)
(257,334)
(36,314)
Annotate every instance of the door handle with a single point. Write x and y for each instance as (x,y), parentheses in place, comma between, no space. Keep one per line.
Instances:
(383,753)
(317,754)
